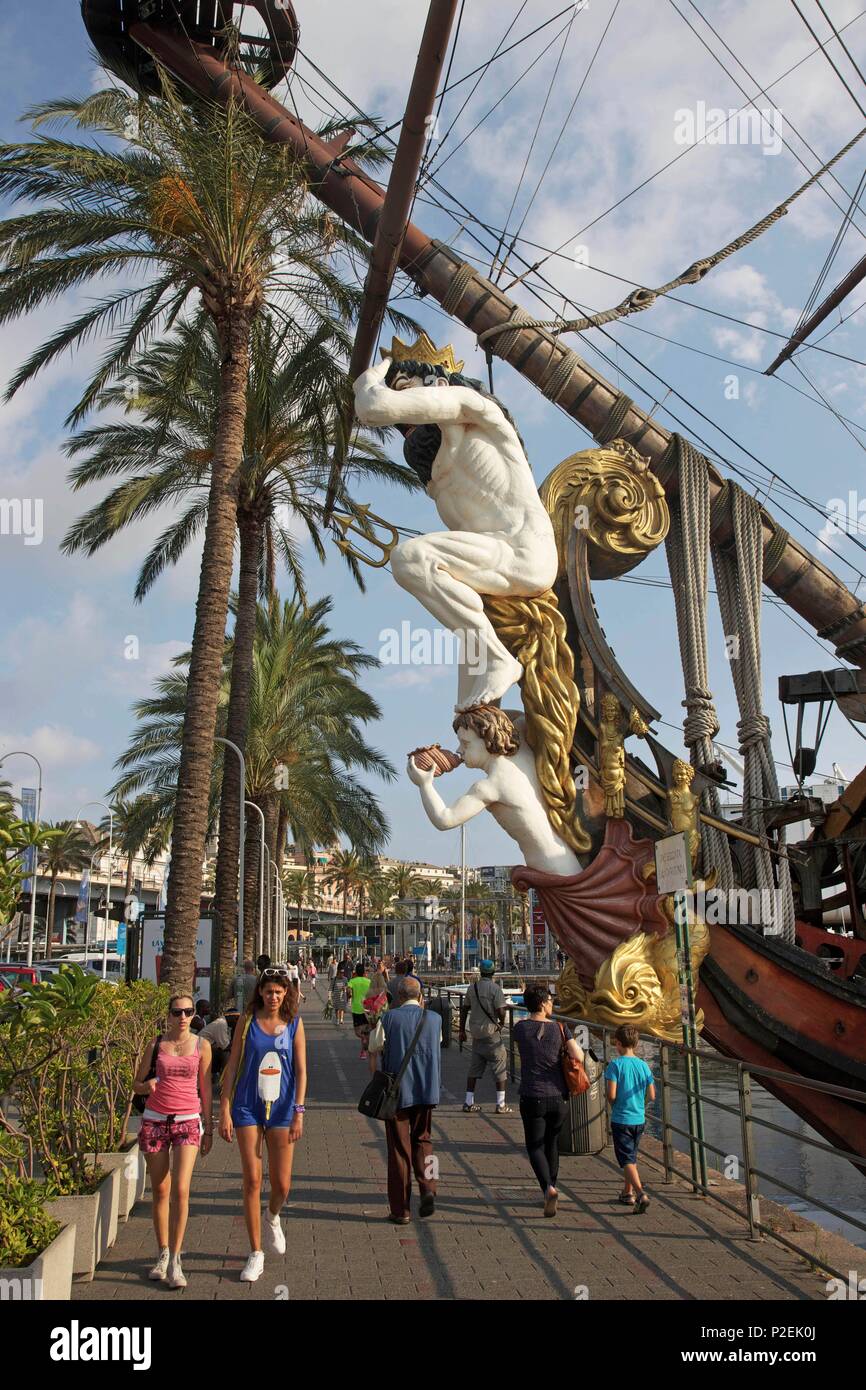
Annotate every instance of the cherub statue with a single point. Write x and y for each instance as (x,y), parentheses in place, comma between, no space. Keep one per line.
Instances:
(684,806)
(499,540)
(492,740)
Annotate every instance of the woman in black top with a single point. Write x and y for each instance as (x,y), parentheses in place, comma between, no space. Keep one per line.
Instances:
(543,1092)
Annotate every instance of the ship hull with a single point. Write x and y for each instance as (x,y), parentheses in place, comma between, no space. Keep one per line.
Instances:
(776,1006)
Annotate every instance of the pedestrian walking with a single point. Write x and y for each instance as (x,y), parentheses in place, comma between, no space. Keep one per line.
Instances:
(408,1136)
(359,988)
(245,980)
(262,963)
(629,1085)
(263,1097)
(175,1077)
(340,996)
(541,1041)
(219,1034)
(483,1006)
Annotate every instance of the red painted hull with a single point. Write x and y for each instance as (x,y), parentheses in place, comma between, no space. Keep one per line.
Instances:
(775,1006)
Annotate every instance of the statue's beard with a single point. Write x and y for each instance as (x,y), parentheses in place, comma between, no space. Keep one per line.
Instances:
(420,448)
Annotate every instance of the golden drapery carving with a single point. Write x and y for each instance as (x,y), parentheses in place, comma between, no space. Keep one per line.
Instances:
(533,630)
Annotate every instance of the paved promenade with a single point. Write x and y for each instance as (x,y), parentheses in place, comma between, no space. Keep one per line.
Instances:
(488,1238)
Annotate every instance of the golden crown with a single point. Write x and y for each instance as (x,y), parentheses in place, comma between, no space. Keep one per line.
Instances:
(423,350)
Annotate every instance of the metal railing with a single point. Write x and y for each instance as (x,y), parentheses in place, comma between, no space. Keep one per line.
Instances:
(741,1075)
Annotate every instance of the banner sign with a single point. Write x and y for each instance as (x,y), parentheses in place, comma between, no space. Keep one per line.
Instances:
(28,813)
(153,941)
(81,904)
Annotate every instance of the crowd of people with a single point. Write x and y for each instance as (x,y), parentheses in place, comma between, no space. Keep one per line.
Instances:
(258,1054)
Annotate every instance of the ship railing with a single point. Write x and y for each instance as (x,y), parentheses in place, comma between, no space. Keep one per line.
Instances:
(595,1037)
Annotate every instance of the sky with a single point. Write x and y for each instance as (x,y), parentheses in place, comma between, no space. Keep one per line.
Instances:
(640,101)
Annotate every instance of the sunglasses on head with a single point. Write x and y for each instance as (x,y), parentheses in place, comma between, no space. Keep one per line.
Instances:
(182,1013)
(275,972)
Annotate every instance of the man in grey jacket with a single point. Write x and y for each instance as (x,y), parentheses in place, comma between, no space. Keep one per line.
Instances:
(410,1146)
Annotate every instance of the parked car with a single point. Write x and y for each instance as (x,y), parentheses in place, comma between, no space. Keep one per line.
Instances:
(14,976)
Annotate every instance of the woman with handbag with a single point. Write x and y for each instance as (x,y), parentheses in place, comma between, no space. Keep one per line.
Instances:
(549,1059)
(263,1095)
(174,1084)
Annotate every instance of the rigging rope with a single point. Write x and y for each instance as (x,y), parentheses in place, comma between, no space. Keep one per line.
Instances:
(687,548)
(643,298)
(739,569)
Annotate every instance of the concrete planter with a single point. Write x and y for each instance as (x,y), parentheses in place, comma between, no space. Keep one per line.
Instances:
(48,1278)
(95,1219)
(126,1161)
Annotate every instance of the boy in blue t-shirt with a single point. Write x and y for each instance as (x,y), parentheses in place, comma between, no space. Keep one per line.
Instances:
(629,1083)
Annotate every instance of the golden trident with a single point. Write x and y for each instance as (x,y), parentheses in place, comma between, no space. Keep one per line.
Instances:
(364,523)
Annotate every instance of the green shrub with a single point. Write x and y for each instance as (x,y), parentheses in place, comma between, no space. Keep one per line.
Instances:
(25,1227)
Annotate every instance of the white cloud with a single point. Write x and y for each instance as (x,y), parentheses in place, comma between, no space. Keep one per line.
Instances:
(55,745)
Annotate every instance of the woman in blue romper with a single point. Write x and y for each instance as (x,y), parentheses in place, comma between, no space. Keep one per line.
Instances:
(263,1090)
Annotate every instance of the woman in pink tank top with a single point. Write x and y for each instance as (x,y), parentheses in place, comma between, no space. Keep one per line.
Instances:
(175,1076)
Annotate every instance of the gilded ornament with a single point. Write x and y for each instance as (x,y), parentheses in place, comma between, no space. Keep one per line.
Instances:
(684,806)
(637,984)
(612,495)
(611,756)
(423,350)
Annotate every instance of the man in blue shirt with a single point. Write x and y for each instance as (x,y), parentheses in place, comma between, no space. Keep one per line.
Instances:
(629,1084)
(410,1146)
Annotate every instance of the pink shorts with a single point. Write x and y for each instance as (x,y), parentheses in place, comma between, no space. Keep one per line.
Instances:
(156,1135)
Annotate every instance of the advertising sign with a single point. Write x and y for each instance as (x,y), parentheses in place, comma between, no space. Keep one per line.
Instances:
(153,941)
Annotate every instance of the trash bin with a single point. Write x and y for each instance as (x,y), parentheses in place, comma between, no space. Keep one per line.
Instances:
(442,1006)
(585,1128)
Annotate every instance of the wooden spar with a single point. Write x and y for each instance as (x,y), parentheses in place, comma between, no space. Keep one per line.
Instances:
(397,205)
(842,290)
(802,581)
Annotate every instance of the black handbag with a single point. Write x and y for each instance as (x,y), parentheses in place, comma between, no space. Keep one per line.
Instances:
(381,1098)
(139,1103)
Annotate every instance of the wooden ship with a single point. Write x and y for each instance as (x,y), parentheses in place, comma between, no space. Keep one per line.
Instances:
(797,1007)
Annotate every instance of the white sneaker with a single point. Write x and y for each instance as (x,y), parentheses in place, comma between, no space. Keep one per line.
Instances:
(176,1276)
(254,1267)
(273,1239)
(160,1269)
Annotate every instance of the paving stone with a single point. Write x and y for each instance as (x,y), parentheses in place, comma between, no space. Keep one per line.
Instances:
(488,1239)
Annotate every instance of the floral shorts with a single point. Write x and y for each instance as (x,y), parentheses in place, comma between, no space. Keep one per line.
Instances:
(156,1135)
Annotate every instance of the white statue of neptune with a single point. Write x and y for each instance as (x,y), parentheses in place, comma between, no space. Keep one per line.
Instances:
(499,539)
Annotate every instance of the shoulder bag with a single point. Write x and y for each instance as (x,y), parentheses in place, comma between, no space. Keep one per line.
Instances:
(573,1071)
(139,1103)
(381,1098)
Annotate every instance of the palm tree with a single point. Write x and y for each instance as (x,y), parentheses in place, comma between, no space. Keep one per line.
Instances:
(302,889)
(198,210)
(405,884)
(68,852)
(163,457)
(346,870)
(305,743)
(380,896)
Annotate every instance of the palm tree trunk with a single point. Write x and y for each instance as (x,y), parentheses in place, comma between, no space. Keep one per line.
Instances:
(130,860)
(237,719)
(205,668)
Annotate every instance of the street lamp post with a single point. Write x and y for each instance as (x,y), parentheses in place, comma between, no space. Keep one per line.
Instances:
(22,753)
(261,876)
(239,954)
(107,808)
